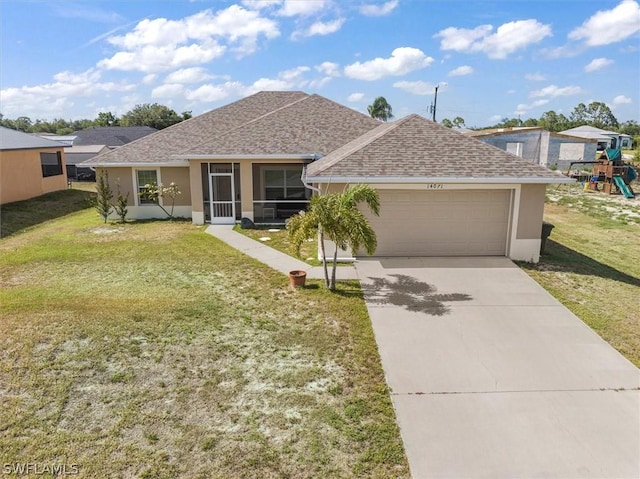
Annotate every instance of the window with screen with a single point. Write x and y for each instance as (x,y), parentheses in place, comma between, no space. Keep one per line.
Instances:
(283,184)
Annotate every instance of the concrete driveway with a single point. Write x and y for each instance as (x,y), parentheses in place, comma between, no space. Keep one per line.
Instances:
(492,377)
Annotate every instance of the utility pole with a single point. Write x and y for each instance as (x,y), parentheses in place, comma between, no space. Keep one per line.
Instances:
(434,105)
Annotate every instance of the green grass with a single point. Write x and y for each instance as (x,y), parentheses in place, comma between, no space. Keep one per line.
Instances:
(279,240)
(153,350)
(21,215)
(592,265)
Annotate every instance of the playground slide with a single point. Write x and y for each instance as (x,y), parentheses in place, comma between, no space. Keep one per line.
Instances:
(626,191)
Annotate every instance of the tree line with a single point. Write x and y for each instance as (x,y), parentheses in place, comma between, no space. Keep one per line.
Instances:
(596,114)
(147,114)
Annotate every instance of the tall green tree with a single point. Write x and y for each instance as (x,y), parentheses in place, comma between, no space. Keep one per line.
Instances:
(106,118)
(153,115)
(380,109)
(337,217)
(458,122)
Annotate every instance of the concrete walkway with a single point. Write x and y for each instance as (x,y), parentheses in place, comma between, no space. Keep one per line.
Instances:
(492,377)
(271,257)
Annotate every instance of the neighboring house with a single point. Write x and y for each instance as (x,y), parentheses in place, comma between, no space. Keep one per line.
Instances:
(442,193)
(77,154)
(30,166)
(538,145)
(605,138)
(112,136)
(65,140)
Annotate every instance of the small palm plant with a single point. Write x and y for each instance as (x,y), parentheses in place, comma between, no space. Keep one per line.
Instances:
(337,217)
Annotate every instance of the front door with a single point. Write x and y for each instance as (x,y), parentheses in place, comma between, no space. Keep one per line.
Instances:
(221,198)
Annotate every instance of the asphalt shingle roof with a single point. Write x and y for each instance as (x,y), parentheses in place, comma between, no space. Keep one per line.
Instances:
(17,140)
(111,135)
(161,146)
(415,147)
(311,125)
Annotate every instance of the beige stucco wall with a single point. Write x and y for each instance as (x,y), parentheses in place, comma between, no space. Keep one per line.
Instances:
(124,178)
(21,175)
(530,212)
(179,176)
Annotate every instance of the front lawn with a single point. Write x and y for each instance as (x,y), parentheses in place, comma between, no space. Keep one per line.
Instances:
(277,238)
(154,350)
(592,264)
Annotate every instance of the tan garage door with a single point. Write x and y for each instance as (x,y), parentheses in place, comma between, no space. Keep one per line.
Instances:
(442,223)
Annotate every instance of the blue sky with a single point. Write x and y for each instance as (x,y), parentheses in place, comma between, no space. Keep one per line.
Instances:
(74,59)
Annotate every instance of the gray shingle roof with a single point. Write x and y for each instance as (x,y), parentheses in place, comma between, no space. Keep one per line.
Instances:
(161,146)
(17,140)
(311,125)
(111,135)
(415,147)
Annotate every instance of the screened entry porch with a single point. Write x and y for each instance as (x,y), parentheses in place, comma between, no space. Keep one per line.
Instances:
(276,192)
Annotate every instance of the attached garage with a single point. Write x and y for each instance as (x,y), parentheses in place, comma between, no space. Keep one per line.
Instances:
(441,192)
(442,223)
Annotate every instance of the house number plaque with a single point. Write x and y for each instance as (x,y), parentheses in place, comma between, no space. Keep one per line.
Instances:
(435,186)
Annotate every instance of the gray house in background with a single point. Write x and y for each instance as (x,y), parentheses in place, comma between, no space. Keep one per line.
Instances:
(95,141)
(545,148)
(78,154)
(111,136)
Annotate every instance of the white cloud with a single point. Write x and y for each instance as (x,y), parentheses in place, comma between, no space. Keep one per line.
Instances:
(495,118)
(329,68)
(374,10)
(162,44)
(564,51)
(535,77)
(403,60)
(150,78)
(168,90)
(322,28)
(508,38)
(416,87)
(292,8)
(555,91)
(355,97)
(522,108)
(597,64)
(609,26)
(461,71)
(188,75)
(621,100)
(212,93)
(260,4)
(55,97)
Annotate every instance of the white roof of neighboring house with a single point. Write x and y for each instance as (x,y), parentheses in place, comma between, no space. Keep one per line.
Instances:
(586,131)
(491,132)
(18,140)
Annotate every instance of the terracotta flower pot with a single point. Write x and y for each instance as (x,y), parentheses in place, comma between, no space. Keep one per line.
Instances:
(297,278)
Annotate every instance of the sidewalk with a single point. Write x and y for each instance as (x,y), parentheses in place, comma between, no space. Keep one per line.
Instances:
(273,258)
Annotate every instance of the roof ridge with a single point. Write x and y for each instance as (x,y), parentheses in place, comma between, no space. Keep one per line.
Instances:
(354,146)
(243,125)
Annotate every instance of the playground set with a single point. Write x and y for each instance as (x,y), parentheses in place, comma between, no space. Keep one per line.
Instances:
(609,174)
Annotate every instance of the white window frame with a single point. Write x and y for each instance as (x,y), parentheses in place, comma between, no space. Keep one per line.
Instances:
(137,186)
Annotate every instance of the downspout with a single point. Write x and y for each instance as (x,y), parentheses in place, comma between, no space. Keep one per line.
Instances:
(303,178)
